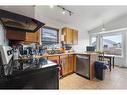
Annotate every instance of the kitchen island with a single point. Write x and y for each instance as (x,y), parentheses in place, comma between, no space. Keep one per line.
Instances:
(33,73)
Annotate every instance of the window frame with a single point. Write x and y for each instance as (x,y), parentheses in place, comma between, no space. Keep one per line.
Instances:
(91,36)
(111,34)
(51,28)
(99,39)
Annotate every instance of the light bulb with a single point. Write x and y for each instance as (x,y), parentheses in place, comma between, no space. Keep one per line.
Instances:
(63,12)
(103,29)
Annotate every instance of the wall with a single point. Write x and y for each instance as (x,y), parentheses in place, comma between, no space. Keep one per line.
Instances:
(83,40)
(83,37)
(118,23)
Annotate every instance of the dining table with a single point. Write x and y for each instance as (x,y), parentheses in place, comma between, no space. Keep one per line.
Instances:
(110,58)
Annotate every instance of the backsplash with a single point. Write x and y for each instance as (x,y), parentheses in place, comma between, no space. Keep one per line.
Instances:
(81,47)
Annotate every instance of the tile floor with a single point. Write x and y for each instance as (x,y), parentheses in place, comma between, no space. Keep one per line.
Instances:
(116,79)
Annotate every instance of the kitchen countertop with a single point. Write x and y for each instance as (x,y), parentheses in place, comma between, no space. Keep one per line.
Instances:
(61,54)
(32,65)
(31,74)
(86,53)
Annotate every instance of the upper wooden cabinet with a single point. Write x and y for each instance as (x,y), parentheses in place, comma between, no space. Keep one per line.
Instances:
(23,36)
(71,35)
(32,37)
(15,35)
(75,36)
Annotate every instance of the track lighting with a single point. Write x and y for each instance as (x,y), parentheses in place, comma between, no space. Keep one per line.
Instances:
(65,10)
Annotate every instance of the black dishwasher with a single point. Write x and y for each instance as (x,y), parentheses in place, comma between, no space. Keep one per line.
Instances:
(83,65)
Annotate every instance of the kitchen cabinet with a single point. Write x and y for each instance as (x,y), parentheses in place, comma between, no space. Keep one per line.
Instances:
(70,64)
(32,36)
(64,63)
(67,62)
(15,35)
(23,36)
(74,60)
(75,37)
(53,58)
(71,35)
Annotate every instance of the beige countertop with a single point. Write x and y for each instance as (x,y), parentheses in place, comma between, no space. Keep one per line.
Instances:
(62,54)
(86,53)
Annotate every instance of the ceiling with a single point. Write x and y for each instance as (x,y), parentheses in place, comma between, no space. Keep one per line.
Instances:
(87,17)
(24,10)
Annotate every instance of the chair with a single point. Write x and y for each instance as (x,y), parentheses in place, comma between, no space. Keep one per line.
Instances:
(105,61)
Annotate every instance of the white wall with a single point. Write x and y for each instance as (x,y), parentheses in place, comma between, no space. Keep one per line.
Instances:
(83,40)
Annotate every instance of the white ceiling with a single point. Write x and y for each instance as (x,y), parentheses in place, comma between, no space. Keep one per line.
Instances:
(24,10)
(87,17)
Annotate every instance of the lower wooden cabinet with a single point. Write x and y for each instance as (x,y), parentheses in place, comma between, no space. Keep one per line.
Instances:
(54,59)
(64,64)
(70,64)
(67,63)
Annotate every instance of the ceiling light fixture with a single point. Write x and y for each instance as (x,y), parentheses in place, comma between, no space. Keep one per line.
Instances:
(103,27)
(65,10)
(51,6)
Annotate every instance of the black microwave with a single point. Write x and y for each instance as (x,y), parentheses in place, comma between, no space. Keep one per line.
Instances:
(90,48)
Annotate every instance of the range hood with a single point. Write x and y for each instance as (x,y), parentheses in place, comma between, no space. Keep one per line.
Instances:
(19,22)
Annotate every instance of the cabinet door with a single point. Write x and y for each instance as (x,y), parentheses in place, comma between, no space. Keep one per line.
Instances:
(32,37)
(15,35)
(68,35)
(75,37)
(53,59)
(74,56)
(64,62)
(71,35)
(70,64)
